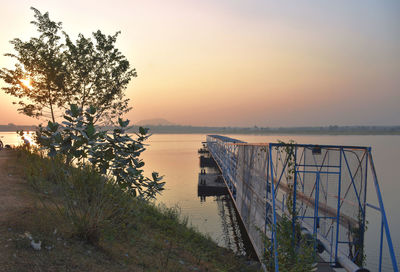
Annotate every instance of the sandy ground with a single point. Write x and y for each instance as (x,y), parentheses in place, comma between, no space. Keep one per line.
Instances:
(12,187)
(14,206)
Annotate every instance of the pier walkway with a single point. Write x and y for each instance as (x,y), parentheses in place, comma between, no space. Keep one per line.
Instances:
(326,187)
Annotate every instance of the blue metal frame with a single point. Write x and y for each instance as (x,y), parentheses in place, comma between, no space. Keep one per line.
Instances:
(384,219)
(294,211)
(225,151)
(274,214)
(338,207)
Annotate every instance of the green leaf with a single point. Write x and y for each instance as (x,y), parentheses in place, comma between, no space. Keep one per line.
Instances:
(109,154)
(52,126)
(92,109)
(123,123)
(90,130)
(143,131)
(74,110)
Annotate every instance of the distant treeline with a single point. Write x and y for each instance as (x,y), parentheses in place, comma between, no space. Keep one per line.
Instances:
(328,130)
(12,127)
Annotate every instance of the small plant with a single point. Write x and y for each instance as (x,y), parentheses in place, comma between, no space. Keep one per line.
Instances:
(295,252)
(290,162)
(356,235)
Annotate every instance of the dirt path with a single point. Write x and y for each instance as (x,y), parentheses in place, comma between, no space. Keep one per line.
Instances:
(14,194)
(15,203)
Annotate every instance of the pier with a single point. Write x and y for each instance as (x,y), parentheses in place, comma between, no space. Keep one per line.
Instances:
(328,188)
(211,184)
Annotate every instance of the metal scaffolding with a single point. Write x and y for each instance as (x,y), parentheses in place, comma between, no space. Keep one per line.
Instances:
(326,184)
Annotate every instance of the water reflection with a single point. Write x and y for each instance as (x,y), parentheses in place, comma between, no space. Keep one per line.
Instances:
(13,139)
(211,185)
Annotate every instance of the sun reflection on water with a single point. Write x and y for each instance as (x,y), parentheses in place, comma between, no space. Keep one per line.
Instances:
(28,138)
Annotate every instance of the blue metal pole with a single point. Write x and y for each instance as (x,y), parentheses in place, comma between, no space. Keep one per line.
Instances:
(330,254)
(364,215)
(266,196)
(304,168)
(384,219)
(294,214)
(380,247)
(338,205)
(316,211)
(274,213)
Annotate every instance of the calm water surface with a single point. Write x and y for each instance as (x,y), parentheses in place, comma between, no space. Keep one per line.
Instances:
(175,156)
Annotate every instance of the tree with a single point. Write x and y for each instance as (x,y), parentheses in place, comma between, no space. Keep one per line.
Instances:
(52,72)
(39,61)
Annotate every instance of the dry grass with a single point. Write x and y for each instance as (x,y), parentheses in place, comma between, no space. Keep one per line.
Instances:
(157,240)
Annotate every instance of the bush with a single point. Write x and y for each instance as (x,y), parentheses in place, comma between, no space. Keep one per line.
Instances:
(295,252)
(114,154)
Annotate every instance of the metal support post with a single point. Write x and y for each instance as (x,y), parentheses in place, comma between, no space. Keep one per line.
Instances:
(384,219)
(274,237)
(338,205)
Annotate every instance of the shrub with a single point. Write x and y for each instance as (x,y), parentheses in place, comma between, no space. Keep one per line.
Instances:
(295,252)
(114,154)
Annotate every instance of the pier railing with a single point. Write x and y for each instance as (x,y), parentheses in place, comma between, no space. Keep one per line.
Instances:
(327,185)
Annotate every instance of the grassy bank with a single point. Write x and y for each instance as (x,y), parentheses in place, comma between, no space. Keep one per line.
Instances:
(84,223)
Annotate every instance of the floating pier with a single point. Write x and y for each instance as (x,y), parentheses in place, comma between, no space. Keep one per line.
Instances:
(328,188)
(211,184)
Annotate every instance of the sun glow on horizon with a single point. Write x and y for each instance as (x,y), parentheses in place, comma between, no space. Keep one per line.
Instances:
(230,63)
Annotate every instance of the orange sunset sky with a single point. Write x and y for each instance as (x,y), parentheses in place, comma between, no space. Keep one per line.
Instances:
(239,63)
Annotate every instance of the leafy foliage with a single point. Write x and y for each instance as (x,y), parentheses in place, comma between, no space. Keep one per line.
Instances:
(289,151)
(356,235)
(114,154)
(39,59)
(62,72)
(295,252)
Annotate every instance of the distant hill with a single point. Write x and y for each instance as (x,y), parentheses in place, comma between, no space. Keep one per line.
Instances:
(326,130)
(155,122)
(13,127)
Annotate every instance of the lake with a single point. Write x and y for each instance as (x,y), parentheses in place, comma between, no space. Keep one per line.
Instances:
(175,156)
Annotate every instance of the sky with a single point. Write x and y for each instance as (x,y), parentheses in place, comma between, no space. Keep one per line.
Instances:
(238,63)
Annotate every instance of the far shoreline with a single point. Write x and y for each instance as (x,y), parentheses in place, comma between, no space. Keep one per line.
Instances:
(177,129)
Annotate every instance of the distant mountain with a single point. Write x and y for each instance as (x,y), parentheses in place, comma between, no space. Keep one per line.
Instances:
(155,122)
(13,127)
